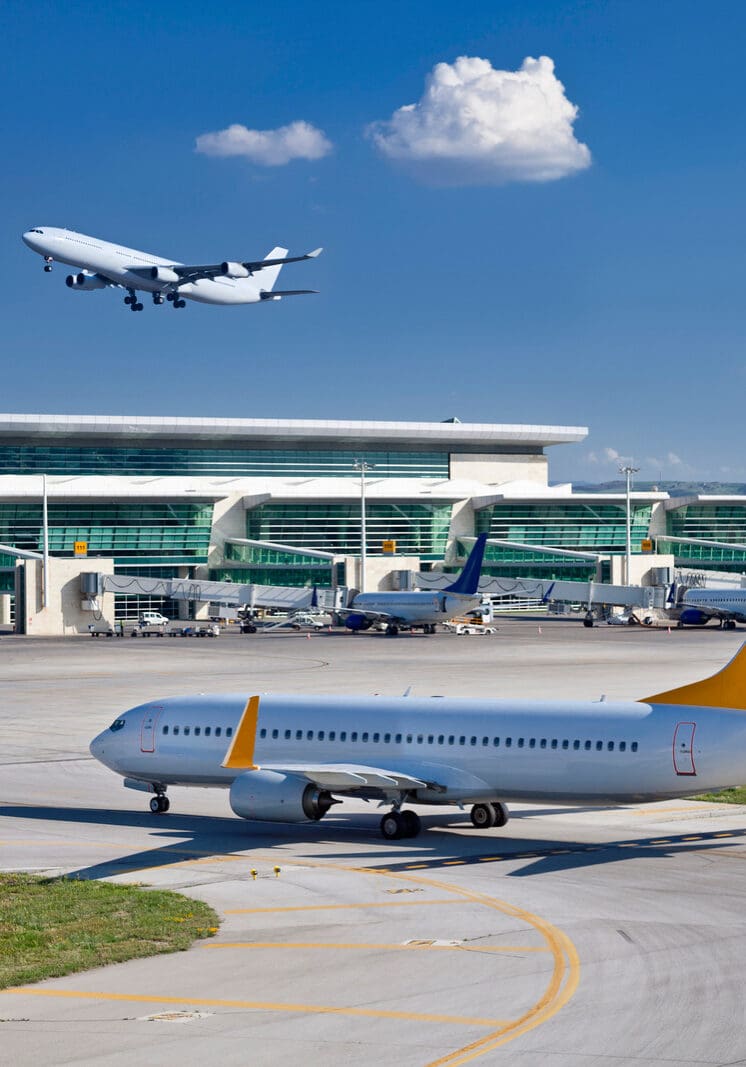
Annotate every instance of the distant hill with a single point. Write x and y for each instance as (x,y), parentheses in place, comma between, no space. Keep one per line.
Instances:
(673,488)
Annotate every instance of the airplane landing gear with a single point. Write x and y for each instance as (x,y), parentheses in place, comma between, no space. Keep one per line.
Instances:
(132,300)
(48,264)
(398,824)
(159,804)
(392,630)
(157,298)
(485,816)
(179,303)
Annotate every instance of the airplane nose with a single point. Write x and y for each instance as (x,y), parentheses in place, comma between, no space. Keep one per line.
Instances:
(28,238)
(96,747)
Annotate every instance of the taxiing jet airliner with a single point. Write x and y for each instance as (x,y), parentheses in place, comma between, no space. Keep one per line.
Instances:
(701,605)
(420,609)
(103,264)
(290,758)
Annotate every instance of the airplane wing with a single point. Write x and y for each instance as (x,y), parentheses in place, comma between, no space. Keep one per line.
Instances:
(374,616)
(195,272)
(349,777)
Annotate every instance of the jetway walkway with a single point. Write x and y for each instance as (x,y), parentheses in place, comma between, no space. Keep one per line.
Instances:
(545,590)
(228,594)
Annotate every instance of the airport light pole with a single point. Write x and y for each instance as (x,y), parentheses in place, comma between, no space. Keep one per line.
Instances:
(628,471)
(363,467)
(45,525)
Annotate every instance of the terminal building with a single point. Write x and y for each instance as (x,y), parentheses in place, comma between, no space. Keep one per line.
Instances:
(278,502)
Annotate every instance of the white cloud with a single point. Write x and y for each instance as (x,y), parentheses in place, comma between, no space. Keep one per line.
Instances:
(475,125)
(268,148)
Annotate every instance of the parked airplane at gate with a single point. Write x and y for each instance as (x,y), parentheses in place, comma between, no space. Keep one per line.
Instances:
(420,609)
(101,264)
(290,758)
(701,605)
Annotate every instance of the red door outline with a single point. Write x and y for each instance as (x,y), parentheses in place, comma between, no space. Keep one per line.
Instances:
(147,730)
(683,748)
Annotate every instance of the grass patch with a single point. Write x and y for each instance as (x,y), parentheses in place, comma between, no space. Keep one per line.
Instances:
(55,926)
(736,795)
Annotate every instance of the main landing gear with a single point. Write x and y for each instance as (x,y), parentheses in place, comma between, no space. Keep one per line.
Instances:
(132,300)
(159,804)
(48,264)
(176,300)
(157,298)
(485,816)
(398,824)
(392,629)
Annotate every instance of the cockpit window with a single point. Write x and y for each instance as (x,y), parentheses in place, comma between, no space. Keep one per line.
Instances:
(38,231)
(117,724)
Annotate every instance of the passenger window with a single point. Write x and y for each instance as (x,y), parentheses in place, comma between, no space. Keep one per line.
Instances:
(543,743)
(176,729)
(462,740)
(309,735)
(186,731)
(229,731)
(587,746)
(207,731)
(508,742)
(332,735)
(565,744)
(430,739)
(397,739)
(496,742)
(197,731)
(532,743)
(576,745)
(288,734)
(298,735)
(353,735)
(441,739)
(599,746)
(622,746)
(610,746)
(376,738)
(320,735)
(275,734)
(451,739)
(485,740)
(343,735)
(473,740)
(633,746)
(420,739)
(165,730)
(520,742)
(387,739)
(262,732)
(365,736)
(554,742)
(219,730)
(409,739)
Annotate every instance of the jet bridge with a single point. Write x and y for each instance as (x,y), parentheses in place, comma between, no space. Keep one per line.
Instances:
(591,594)
(228,594)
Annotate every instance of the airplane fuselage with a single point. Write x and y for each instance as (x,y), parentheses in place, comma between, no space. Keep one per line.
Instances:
(471,750)
(416,608)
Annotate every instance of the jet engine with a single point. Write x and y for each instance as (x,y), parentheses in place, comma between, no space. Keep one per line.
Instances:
(163,274)
(234,270)
(356,621)
(85,281)
(274,797)
(694,617)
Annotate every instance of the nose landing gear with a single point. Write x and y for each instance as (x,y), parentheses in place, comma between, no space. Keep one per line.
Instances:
(159,804)
(48,264)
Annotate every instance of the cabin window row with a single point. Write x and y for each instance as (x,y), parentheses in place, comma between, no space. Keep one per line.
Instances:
(448,739)
(206,731)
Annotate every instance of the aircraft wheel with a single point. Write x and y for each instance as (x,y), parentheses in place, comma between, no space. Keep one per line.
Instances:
(483,816)
(155,805)
(165,804)
(501,814)
(128,300)
(392,826)
(179,303)
(137,306)
(411,823)
(392,630)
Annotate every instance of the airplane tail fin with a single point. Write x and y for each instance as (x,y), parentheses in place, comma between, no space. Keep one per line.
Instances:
(467,582)
(268,275)
(726,689)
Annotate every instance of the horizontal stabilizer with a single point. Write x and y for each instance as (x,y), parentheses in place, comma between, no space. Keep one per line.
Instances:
(286,292)
(726,689)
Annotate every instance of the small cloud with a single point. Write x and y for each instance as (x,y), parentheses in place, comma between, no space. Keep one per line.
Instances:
(475,125)
(268,148)
(611,455)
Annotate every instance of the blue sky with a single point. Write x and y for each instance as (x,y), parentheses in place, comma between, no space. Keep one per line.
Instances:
(611,297)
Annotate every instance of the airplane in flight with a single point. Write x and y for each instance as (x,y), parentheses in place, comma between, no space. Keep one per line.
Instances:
(101,264)
(290,758)
(420,609)
(699,606)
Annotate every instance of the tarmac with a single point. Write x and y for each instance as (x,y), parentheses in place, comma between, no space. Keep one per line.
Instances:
(571,936)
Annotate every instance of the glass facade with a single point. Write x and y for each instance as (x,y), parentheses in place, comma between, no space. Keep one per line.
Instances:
(708,522)
(217,462)
(581,527)
(418,529)
(157,530)
(292,576)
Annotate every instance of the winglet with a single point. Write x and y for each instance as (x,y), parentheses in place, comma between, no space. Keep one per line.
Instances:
(240,755)
(316,252)
(468,581)
(726,689)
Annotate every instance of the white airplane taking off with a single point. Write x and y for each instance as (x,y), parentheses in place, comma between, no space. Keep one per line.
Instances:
(290,758)
(101,264)
(420,609)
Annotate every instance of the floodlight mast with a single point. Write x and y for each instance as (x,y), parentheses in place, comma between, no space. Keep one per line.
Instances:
(628,471)
(363,467)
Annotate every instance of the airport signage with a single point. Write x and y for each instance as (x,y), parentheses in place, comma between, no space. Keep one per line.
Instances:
(80,548)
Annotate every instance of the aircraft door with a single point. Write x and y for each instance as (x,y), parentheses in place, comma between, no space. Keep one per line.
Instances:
(147,730)
(683,748)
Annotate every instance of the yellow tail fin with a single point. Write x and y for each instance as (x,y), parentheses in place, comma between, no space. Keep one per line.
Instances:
(726,689)
(240,755)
